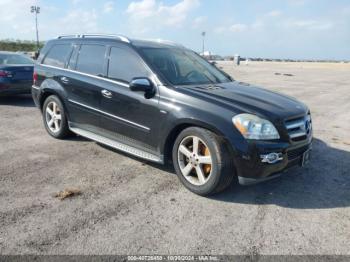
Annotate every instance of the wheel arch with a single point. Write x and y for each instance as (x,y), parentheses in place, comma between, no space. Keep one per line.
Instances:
(51,87)
(179,127)
(45,95)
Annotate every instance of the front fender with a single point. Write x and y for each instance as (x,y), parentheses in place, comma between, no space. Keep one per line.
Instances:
(216,124)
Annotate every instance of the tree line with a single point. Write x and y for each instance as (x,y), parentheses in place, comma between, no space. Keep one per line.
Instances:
(19,45)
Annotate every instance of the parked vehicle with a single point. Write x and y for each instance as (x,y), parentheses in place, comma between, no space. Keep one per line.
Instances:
(160,101)
(16,73)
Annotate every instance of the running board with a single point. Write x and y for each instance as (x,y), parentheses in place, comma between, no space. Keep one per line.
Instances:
(117,145)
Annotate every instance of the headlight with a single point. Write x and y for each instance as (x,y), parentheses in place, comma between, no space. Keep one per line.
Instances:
(254,127)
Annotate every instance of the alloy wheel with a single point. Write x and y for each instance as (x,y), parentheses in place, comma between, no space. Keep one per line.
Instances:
(53,117)
(195,160)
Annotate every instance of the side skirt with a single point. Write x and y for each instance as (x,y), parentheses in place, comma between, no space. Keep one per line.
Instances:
(117,145)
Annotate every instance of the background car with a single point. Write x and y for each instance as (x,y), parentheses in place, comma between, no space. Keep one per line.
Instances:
(16,73)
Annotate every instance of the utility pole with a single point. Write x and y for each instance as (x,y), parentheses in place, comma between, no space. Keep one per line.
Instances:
(36,11)
(203,47)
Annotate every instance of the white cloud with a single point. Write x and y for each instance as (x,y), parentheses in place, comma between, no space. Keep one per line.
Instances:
(142,10)
(220,29)
(15,16)
(238,28)
(259,23)
(297,2)
(87,22)
(76,2)
(266,19)
(346,10)
(176,14)
(235,28)
(11,10)
(199,21)
(150,14)
(310,24)
(108,7)
(19,22)
(274,13)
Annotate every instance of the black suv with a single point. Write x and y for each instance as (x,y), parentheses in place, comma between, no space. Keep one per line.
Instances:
(162,102)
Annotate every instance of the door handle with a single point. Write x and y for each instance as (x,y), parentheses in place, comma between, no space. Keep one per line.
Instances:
(106,93)
(64,80)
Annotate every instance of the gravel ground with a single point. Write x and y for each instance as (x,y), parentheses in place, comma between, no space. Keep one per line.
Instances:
(128,206)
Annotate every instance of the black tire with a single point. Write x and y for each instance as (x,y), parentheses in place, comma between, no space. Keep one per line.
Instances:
(222,169)
(63,130)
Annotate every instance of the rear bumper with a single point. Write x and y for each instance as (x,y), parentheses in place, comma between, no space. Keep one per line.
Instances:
(36,93)
(15,87)
(251,168)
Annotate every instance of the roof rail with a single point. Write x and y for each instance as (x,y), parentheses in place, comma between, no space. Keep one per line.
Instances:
(120,37)
(67,36)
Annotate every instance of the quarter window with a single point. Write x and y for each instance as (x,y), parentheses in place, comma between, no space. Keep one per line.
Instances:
(58,55)
(91,59)
(124,65)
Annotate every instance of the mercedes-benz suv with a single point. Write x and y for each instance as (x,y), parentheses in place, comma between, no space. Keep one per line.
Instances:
(163,102)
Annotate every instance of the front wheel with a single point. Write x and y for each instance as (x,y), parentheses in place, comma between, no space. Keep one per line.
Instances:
(202,161)
(54,117)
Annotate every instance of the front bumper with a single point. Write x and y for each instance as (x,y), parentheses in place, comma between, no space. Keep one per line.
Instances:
(251,168)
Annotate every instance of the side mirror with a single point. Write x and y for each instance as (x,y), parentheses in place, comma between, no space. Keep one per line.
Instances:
(141,85)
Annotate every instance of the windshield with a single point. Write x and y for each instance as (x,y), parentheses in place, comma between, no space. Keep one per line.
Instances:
(14,59)
(183,67)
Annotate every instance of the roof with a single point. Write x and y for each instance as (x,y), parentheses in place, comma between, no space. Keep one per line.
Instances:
(156,43)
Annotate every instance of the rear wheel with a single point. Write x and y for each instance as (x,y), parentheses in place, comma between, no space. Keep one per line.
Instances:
(54,117)
(202,161)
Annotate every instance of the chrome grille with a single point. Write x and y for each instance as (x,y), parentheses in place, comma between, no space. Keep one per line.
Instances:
(299,128)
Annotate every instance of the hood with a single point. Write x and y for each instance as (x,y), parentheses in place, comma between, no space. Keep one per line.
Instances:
(244,98)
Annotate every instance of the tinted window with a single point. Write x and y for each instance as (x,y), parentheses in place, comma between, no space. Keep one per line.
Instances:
(13,59)
(124,65)
(58,55)
(91,59)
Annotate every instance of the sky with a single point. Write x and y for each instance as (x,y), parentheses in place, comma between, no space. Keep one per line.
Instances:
(297,29)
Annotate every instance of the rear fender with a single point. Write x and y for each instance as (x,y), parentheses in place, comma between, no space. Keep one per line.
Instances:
(52,87)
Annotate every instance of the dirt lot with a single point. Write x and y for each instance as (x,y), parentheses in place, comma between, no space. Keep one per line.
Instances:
(129,207)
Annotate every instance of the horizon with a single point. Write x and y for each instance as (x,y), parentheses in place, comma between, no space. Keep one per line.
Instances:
(271,29)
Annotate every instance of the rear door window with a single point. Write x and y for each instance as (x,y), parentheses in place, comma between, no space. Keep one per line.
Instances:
(91,59)
(58,55)
(124,65)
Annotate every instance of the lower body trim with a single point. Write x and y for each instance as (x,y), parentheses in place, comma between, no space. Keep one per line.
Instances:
(246,181)
(117,145)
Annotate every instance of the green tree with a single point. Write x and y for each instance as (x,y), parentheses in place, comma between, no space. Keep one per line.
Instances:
(19,45)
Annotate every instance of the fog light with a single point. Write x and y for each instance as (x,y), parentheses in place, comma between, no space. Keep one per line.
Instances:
(271,158)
